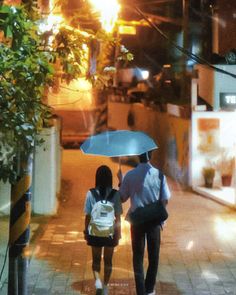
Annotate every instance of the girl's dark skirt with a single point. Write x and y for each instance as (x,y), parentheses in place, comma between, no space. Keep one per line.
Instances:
(102,241)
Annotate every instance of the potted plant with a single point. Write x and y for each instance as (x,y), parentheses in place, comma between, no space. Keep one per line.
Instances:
(208,174)
(227,165)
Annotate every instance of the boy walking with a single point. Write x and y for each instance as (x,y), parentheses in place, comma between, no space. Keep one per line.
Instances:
(142,186)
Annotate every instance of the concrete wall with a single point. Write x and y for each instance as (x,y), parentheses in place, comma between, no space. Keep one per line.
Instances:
(171,134)
(47,172)
(46,182)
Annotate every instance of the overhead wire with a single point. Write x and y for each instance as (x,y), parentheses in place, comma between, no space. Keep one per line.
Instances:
(189,54)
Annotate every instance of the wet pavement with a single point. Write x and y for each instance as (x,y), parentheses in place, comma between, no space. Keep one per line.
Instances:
(198,249)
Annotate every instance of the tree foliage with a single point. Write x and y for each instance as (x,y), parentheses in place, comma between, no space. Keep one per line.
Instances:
(27,68)
(24,72)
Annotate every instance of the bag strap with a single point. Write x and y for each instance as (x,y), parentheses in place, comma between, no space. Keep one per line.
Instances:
(161,176)
(98,197)
(111,194)
(95,194)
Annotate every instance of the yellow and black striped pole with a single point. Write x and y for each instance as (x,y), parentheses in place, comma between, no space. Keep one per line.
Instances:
(19,231)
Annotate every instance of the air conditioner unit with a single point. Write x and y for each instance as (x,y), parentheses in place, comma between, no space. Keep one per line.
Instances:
(216,88)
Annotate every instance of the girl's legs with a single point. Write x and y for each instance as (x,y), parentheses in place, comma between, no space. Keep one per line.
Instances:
(96,265)
(108,254)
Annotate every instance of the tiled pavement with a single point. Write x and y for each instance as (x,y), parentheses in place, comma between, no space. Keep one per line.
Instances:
(198,251)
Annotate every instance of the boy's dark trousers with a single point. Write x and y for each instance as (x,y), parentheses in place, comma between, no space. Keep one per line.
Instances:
(140,234)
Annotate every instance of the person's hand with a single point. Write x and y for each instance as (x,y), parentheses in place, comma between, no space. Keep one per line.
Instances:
(86,234)
(163,224)
(118,230)
(120,176)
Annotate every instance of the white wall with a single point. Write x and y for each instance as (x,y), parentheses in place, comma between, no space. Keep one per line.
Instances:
(5,190)
(47,172)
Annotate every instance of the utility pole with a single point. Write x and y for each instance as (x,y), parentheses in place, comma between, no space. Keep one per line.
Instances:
(185,30)
(19,231)
(207,21)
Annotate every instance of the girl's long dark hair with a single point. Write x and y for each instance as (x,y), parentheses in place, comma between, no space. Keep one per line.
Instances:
(103,179)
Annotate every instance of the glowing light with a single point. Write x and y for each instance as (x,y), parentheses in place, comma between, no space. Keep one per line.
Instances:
(125,235)
(73,232)
(108,11)
(145,74)
(76,263)
(127,30)
(210,276)
(82,84)
(225,229)
(51,23)
(190,245)
(77,95)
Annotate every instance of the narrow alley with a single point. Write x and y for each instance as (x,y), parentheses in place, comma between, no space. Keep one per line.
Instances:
(198,250)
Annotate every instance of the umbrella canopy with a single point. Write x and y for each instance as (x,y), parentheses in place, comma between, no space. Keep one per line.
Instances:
(118,143)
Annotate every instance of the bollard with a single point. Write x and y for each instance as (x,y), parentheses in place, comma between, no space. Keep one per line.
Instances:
(19,231)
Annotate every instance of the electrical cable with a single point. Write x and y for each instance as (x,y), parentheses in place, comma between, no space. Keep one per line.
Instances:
(183,50)
(4,263)
(66,103)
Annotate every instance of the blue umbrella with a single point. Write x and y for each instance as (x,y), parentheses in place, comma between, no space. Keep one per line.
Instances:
(118,143)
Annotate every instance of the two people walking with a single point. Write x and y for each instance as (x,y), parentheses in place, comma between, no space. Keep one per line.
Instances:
(141,186)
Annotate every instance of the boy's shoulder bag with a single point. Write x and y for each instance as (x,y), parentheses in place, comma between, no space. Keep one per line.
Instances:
(155,212)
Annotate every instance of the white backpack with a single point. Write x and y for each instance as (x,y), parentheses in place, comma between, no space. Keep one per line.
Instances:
(102,216)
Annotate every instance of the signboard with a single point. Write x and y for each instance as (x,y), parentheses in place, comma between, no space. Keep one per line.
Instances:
(208,134)
(127,30)
(228,101)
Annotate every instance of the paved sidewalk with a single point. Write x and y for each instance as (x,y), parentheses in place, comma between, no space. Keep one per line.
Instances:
(198,251)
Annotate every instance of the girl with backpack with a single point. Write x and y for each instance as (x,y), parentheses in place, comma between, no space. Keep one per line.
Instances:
(102,225)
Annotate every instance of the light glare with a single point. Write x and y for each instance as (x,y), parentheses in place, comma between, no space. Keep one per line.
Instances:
(108,11)
(210,276)
(190,245)
(145,74)
(225,229)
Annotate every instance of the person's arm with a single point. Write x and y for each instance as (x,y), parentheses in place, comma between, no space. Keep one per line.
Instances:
(165,191)
(120,177)
(123,187)
(118,226)
(118,211)
(165,202)
(87,211)
(86,222)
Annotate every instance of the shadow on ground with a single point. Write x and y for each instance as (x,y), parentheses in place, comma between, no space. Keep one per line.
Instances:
(123,287)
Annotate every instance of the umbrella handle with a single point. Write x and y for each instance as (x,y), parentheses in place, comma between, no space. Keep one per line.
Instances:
(119,173)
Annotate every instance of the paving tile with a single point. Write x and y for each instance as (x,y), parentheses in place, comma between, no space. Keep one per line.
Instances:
(197,257)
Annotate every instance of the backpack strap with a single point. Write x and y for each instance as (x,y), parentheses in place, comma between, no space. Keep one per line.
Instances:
(95,194)
(161,176)
(111,194)
(98,197)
